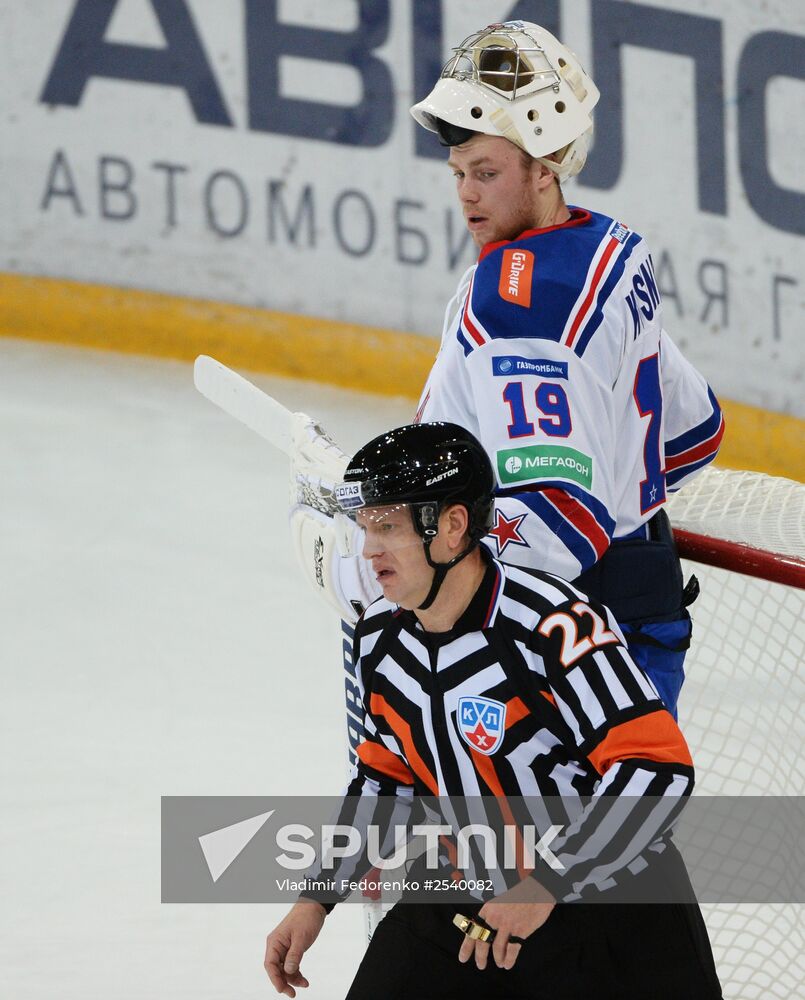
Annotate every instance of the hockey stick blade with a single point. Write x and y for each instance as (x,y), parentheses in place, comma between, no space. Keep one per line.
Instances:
(237,396)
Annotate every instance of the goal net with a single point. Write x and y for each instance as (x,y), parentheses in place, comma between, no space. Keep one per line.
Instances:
(742,707)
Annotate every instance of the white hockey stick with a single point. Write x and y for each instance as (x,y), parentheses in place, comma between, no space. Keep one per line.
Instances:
(245,402)
(283,429)
(316,461)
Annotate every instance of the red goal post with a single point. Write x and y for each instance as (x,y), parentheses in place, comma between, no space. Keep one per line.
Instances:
(742,707)
(743,522)
(736,558)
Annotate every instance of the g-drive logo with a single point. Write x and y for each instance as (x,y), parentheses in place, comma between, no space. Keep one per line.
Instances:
(510,364)
(516,271)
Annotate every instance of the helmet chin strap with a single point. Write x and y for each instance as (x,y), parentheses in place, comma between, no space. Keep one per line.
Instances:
(440,570)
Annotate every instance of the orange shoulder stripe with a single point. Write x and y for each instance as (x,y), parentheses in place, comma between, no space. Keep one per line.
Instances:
(655,737)
(381,759)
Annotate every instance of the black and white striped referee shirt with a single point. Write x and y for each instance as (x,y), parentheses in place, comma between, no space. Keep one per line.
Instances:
(532,695)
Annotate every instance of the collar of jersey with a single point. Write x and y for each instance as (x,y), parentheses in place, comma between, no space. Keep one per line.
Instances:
(578,217)
(480,612)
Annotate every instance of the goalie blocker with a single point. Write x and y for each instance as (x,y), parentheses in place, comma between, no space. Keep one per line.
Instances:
(324,540)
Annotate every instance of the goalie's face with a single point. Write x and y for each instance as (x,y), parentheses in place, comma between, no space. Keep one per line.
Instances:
(502,190)
(397,554)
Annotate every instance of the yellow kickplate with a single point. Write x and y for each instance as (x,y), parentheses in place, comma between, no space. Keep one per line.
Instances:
(386,362)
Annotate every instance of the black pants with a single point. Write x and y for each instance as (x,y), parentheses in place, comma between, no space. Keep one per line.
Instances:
(591,951)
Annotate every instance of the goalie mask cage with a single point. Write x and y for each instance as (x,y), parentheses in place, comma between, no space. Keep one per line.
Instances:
(742,708)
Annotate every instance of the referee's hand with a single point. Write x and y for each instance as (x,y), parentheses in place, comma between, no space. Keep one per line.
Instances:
(288,942)
(516,913)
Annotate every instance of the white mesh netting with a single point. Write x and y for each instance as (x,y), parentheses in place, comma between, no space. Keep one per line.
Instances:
(742,708)
(767,512)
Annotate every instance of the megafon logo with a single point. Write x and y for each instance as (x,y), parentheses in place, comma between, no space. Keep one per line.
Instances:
(516,271)
(544,461)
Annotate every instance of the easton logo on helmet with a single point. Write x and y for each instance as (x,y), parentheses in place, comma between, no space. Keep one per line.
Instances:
(441,476)
(515,277)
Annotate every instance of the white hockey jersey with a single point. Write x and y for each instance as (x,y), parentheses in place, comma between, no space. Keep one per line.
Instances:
(553,354)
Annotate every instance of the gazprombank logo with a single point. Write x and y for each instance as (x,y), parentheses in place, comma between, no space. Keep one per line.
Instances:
(544,461)
(511,364)
(516,271)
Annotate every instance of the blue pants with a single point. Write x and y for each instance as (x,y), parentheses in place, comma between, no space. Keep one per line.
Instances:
(639,578)
(659,650)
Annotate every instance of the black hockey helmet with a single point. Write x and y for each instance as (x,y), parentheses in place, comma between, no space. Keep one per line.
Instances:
(426,467)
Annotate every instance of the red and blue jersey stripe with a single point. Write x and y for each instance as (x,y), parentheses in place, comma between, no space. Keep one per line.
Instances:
(693,449)
(589,317)
(580,521)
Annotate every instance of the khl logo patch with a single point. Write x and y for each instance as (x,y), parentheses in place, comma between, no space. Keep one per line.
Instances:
(481,722)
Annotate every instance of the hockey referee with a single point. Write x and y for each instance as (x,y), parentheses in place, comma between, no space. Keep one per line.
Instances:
(486,680)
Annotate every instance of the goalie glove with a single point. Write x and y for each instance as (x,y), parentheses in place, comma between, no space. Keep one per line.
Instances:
(317,465)
(325,540)
(324,549)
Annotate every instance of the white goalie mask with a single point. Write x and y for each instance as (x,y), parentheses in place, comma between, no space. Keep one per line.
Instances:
(517,81)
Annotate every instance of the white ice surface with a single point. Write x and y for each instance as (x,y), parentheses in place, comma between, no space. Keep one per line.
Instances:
(156,639)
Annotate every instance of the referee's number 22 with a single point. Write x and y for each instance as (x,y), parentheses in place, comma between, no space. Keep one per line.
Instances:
(573,647)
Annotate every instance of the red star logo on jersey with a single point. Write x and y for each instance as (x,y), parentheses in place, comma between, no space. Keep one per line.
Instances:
(480,737)
(505,531)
